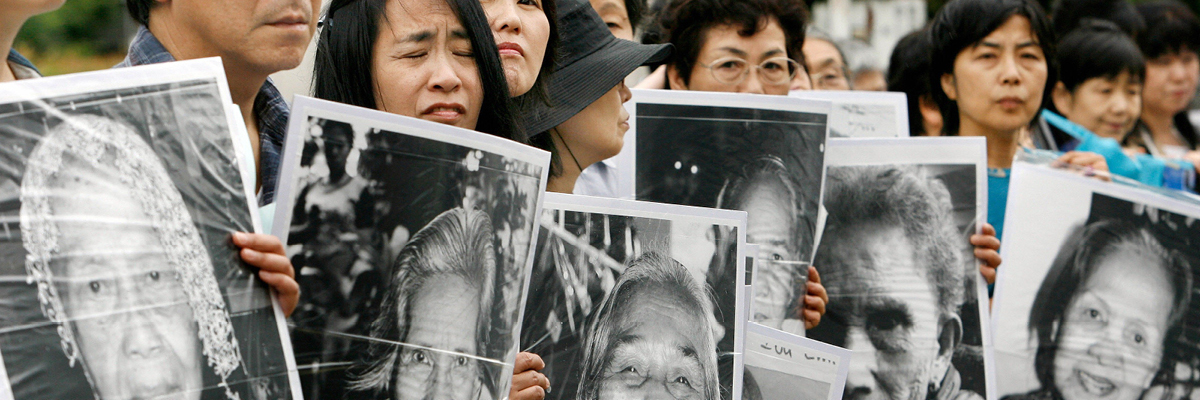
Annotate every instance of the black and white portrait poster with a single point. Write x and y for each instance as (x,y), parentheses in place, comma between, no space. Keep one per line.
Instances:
(119,193)
(637,300)
(905,293)
(412,241)
(1096,297)
(761,154)
(783,366)
(861,113)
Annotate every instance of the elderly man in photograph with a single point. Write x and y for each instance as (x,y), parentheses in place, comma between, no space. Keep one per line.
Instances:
(254,38)
(894,268)
(122,270)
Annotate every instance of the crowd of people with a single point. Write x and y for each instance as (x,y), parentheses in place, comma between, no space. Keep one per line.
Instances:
(1107,83)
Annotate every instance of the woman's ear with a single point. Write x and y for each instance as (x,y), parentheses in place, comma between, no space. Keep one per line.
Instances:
(950,86)
(674,81)
(1063,99)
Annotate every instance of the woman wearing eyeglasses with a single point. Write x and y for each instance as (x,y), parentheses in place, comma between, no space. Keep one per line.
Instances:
(730,49)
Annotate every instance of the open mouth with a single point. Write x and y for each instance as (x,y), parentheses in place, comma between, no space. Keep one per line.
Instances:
(1094,384)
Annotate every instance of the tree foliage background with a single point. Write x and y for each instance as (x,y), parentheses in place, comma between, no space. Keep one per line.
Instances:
(82,35)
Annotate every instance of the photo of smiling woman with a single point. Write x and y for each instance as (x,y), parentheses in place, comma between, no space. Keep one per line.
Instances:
(627,299)
(1101,326)
(1099,302)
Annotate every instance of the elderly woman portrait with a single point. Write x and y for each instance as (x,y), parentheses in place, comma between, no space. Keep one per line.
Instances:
(121,268)
(1112,303)
(429,340)
(893,264)
(651,338)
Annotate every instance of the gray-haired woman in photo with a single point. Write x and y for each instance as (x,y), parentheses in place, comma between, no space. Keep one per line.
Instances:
(431,335)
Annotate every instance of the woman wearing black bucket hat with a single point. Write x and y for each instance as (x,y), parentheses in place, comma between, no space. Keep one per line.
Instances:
(585,121)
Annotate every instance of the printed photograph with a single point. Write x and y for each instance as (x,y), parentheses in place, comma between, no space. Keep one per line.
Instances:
(767,384)
(1110,307)
(766,162)
(412,247)
(117,270)
(783,366)
(863,114)
(902,280)
(633,300)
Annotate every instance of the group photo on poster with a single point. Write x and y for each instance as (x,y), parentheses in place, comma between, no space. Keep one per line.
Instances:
(412,243)
(904,288)
(119,194)
(1101,301)
(630,297)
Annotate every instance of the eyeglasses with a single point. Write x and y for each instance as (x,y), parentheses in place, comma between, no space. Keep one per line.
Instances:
(733,70)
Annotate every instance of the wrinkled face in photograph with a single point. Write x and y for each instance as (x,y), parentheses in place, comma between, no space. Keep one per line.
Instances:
(877,284)
(1111,339)
(658,349)
(136,332)
(440,364)
(768,206)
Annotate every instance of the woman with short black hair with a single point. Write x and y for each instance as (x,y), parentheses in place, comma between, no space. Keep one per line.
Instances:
(993,60)
(908,72)
(1102,75)
(1170,44)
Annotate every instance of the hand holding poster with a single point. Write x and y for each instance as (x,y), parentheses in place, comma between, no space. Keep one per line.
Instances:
(120,191)
(631,298)
(781,366)
(904,288)
(413,241)
(1097,296)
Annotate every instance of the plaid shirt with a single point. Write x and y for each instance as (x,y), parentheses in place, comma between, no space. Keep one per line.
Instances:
(270,108)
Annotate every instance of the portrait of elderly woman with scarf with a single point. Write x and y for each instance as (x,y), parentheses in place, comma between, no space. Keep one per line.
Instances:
(122,271)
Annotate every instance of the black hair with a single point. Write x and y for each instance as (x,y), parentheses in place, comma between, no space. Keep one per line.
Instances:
(139,10)
(961,24)
(542,140)
(1077,261)
(637,13)
(908,72)
(331,127)
(685,23)
(1170,28)
(1070,14)
(1098,49)
(342,71)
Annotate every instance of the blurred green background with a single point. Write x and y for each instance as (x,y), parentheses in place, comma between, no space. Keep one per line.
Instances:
(87,35)
(83,35)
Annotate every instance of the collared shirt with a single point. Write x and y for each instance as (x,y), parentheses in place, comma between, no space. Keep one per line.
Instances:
(269,107)
(599,180)
(21,67)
